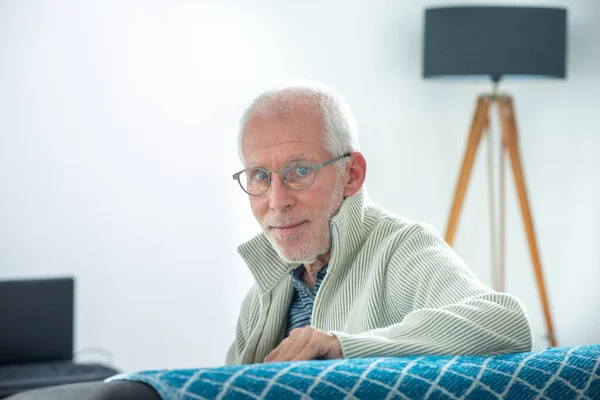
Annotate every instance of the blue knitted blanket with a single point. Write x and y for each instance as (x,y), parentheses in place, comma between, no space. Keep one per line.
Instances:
(555,373)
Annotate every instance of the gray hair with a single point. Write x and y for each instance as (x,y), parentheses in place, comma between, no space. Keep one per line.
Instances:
(339,124)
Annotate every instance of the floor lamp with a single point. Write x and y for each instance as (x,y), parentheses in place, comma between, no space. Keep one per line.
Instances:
(497,42)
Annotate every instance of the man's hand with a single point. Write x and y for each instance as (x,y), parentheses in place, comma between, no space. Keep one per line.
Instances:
(306,344)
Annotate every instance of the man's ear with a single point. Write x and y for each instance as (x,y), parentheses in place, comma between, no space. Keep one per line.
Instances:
(356,172)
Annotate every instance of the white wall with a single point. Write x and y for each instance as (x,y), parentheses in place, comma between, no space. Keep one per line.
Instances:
(117,144)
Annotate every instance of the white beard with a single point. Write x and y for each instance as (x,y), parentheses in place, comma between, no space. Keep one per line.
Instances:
(317,241)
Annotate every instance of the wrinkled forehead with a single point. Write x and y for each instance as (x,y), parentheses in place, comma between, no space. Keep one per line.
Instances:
(292,135)
(285,160)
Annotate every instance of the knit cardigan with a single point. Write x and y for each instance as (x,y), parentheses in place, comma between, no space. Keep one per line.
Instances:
(393,288)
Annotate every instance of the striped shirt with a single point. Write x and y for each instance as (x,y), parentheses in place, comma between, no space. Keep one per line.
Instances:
(301,308)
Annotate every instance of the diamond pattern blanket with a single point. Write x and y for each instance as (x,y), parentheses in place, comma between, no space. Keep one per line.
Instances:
(554,373)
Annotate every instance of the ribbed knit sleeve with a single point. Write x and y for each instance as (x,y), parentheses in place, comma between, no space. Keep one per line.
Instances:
(440,308)
(248,311)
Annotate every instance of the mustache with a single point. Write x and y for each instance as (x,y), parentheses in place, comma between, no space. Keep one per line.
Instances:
(285,220)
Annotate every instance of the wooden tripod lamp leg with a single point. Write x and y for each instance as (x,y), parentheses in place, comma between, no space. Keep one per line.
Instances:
(510,139)
(480,121)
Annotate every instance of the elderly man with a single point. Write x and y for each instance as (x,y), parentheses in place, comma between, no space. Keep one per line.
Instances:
(335,275)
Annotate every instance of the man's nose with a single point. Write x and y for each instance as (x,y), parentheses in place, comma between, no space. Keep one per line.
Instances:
(279,194)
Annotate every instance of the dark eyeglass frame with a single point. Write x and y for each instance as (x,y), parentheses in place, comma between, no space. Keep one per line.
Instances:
(269,172)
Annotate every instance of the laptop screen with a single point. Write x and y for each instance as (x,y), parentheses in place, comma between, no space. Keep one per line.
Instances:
(36,320)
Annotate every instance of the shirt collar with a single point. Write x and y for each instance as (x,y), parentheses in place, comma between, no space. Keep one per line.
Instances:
(298,272)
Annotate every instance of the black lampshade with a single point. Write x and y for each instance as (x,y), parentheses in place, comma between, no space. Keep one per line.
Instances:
(495,41)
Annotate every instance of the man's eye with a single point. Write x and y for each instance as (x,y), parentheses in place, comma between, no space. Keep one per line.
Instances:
(261,176)
(302,171)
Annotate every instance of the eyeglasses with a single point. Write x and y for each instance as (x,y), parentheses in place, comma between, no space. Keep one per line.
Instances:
(298,175)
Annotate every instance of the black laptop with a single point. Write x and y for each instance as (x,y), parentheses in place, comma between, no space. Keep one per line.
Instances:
(36,336)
